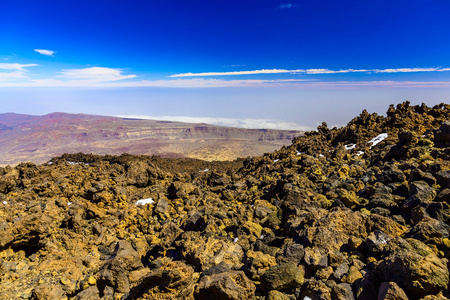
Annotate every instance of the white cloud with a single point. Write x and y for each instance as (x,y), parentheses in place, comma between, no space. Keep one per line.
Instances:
(216,83)
(16,66)
(178,83)
(95,74)
(229,122)
(263,71)
(410,70)
(311,71)
(17,71)
(45,52)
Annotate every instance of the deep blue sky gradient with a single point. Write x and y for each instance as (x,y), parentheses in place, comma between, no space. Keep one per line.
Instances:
(156,39)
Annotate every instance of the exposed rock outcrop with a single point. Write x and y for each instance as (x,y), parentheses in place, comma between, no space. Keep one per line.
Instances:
(359,212)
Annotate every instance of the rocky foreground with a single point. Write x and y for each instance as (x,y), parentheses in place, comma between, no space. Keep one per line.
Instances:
(359,212)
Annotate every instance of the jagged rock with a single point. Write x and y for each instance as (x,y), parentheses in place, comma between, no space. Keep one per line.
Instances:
(419,193)
(376,241)
(173,280)
(291,251)
(8,179)
(91,293)
(391,173)
(258,263)
(429,231)
(340,271)
(342,291)
(443,178)
(316,258)
(324,234)
(115,272)
(352,275)
(444,195)
(419,175)
(277,295)
(414,267)
(205,254)
(442,135)
(391,291)
(313,289)
(283,276)
(161,206)
(335,258)
(169,233)
(225,286)
(27,232)
(47,291)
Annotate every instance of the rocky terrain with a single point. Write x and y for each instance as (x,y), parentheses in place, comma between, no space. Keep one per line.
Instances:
(27,138)
(359,212)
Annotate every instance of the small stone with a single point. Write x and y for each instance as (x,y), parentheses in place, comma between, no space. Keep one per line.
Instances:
(315,258)
(324,274)
(354,243)
(352,275)
(340,271)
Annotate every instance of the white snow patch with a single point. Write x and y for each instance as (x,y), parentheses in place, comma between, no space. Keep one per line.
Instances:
(205,170)
(350,146)
(261,237)
(235,240)
(299,153)
(4,202)
(321,155)
(72,163)
(359,153)
(69,203)
(50,163)
(145,201)
(306,298)
(378,139)
(276,160)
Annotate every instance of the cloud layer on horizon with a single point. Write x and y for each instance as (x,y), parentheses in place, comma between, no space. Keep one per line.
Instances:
(228,122)
(310,71)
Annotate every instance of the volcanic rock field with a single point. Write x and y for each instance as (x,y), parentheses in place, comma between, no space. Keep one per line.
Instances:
(358,212)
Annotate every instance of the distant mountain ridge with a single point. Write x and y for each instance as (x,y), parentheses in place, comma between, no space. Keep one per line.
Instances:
(39,138)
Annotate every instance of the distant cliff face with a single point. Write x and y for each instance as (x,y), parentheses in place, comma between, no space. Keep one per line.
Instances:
(39,138)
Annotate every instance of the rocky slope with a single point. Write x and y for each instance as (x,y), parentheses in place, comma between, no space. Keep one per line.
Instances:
(39,138)
(336,215)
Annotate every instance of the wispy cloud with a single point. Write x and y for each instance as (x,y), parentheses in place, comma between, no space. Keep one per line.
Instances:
(45,52)
(287,6)
(411,70)
(16,75)
(95,74)
(15,71)
(229,122)
(233,66)
(176,83)
(16,66)
(311,71)
(219,83)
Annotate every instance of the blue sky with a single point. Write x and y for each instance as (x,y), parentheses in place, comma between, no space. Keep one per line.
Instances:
(264,63)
